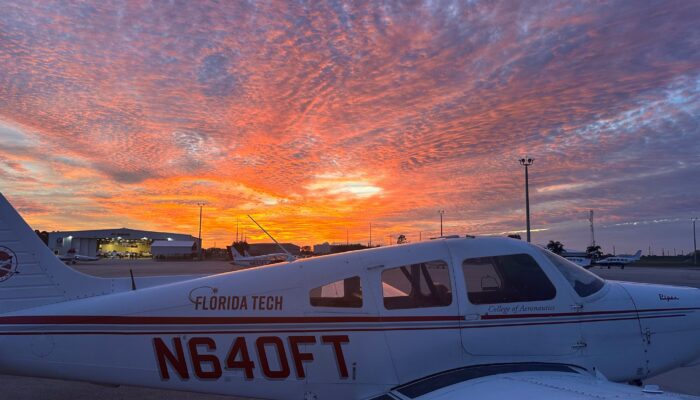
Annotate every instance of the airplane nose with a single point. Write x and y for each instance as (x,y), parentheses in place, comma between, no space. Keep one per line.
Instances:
(669,320)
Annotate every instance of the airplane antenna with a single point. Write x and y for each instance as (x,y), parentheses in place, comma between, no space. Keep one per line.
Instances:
(290,256)
(133,282)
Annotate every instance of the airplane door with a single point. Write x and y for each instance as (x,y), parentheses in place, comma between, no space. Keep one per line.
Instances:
(612,310)
(512,308)
(420,314)
(608,319)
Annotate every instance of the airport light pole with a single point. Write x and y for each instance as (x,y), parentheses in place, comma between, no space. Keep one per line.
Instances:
(695,243)
(370,235)
(526,162)
(441,212)
(200,204)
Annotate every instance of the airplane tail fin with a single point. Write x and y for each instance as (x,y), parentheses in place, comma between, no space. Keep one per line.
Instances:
(638,255)
(30,274)
(245,252)
(234,253)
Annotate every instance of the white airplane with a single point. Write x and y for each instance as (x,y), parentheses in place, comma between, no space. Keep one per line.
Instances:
(620,260)
(575,257)
(71,257)
(584,262)
(447,319)
(255,261)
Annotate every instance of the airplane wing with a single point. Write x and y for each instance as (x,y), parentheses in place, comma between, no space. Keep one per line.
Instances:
(542,382)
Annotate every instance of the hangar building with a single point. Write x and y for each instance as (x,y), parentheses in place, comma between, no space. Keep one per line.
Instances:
(122,241)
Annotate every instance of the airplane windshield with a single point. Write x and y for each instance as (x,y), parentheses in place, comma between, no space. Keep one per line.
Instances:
(585,283)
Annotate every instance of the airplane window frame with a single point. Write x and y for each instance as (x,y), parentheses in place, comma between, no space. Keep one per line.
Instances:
(345,301)
(509,292)
(573,274)
(417,299)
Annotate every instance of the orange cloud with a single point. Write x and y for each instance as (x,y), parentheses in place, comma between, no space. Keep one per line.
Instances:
(323,118)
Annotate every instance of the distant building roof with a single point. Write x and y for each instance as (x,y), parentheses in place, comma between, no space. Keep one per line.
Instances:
(124,233)
(323,248)
(173,243)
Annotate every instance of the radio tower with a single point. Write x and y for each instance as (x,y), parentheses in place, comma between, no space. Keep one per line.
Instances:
(590,218)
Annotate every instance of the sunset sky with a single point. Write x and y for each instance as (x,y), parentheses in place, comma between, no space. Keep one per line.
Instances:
(319,118)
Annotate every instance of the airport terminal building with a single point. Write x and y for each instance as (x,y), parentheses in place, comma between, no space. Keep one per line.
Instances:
(122,241)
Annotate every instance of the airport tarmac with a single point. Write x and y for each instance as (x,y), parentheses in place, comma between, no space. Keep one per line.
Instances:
(681,380)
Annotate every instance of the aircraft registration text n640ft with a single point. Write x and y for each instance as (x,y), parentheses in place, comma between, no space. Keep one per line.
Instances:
(243,303)
(453,318)
(269,350)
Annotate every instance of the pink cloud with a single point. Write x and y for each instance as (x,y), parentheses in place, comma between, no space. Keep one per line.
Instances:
(321,119)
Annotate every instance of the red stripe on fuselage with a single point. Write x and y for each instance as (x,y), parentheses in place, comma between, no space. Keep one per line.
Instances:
(582,313)
(146,320)
(149,320)
(230,332)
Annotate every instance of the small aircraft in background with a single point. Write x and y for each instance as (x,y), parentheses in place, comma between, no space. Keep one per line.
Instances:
(247,260)
(255,261)
(448,319)
(71,257)
(620,260)
(584,262)
(580,258)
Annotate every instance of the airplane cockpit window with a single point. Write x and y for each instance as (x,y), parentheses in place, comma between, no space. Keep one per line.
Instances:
(585,283)
(346,293)
(506,279)
(417,286)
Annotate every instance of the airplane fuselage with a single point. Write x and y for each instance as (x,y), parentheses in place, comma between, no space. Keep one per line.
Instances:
(294,328)
(257,261)
(580,261)
(615,261)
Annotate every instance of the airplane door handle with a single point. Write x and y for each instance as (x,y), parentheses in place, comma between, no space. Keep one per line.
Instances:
(580,345)
(471,317)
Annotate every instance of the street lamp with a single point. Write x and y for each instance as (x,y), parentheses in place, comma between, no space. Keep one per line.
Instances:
(200,204)
(695,243)
(441,212)
(526,162)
